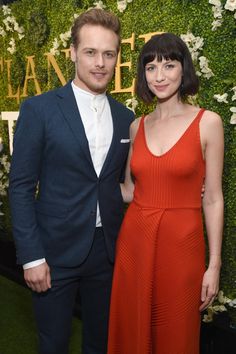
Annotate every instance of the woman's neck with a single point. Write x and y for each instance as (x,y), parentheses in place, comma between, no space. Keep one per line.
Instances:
(169,108)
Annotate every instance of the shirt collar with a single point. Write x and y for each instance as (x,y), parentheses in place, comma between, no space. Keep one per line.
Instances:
(95,102)
(84,93)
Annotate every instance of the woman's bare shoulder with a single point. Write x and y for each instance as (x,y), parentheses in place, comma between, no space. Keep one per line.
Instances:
(211,119)
(211,128)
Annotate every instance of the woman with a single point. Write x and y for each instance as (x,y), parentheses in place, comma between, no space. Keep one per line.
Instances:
(160,283)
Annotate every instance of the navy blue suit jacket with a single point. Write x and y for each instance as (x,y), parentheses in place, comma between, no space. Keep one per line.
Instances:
(54,188)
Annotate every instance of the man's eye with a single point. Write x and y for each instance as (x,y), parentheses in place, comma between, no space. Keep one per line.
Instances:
(90,52)
(110,55)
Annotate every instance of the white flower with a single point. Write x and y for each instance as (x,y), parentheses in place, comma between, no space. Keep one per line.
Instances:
(230,5)
(217,12)
(232,303)
(12,41)
(215,2)
(5,163)
(233,117)
(55,45)
(20,36)
(206,71)
(121,5)
(54,51)
(222,299)
(64,37)
(6,10)
(16,26)
(198,43)
(188,37)
(99,5)
(194,44)
(2,32)
(6,22)
(219,308)
(208,317)
(214,309)
(11,25)
(4,170)
(18,29)
(194,54)
(12,46)
(234,95)
(221,98)
(216,24)
(131,103)
(2,190)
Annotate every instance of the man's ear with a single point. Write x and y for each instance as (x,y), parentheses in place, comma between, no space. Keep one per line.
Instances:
(72,53)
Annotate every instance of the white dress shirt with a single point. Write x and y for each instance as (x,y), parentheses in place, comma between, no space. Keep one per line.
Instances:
(97,121)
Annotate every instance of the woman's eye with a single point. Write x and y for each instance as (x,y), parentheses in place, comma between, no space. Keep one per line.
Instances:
(149,68)
(169,66)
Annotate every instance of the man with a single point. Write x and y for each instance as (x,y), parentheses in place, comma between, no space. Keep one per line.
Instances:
(70,147)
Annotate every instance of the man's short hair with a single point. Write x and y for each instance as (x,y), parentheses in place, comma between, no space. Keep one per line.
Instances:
(95,17)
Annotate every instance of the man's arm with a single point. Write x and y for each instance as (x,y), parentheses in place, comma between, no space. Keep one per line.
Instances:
(24,177)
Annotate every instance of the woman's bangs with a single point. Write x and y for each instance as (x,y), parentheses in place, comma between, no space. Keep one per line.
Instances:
(162,51)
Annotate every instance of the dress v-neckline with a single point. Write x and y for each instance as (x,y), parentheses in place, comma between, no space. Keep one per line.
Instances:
(177,141)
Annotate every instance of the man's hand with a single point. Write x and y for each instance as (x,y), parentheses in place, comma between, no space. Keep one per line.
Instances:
(38,278)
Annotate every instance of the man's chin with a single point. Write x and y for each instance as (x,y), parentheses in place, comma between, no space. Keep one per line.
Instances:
(98,88)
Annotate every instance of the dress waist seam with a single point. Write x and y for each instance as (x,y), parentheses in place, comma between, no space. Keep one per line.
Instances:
(165,207)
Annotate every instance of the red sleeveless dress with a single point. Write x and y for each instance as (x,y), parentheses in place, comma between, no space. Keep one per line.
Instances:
(160,259)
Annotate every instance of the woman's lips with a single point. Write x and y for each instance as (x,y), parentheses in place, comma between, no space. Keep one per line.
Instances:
(161,87)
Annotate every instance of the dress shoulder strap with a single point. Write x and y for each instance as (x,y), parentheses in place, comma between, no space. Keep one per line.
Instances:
(140,128)
(200,114)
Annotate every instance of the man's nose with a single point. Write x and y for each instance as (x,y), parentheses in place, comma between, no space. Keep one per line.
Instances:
(99,60)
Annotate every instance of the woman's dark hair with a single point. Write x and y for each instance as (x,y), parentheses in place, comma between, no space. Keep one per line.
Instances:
(167,46)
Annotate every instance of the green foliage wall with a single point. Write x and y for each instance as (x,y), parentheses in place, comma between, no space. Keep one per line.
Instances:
(44,20)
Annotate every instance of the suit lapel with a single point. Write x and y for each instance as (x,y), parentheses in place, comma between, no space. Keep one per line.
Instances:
(69,108)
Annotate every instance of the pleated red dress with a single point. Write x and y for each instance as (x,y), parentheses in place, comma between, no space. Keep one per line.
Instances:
(160,259)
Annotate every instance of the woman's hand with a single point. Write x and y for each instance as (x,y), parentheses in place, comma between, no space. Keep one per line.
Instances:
(210,287)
